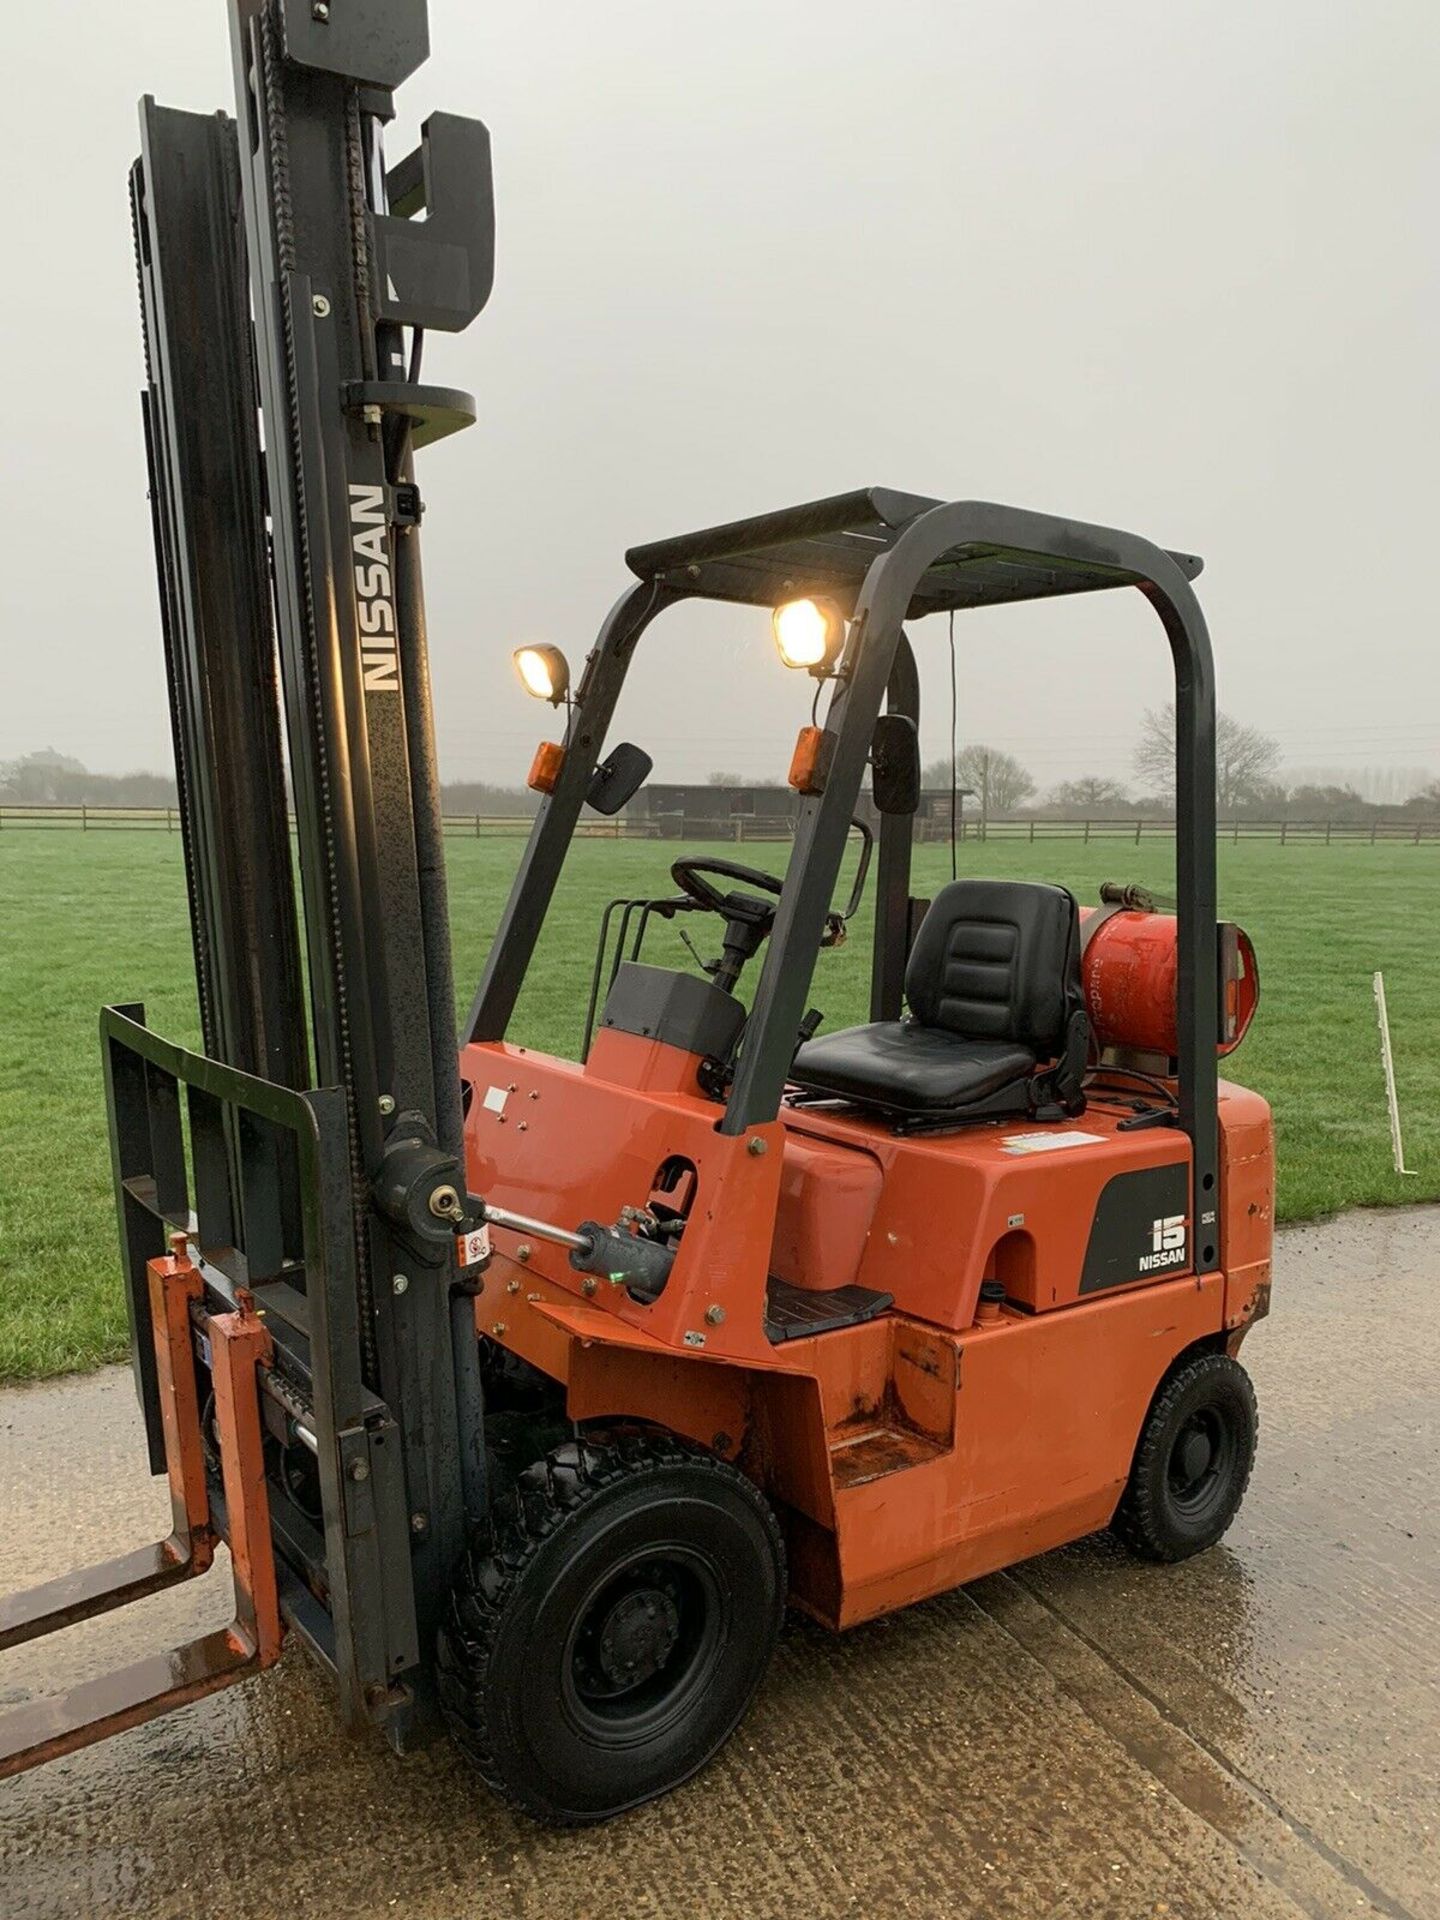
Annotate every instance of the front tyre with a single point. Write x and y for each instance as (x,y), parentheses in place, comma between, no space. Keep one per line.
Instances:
(610,1639)
(1192,1462)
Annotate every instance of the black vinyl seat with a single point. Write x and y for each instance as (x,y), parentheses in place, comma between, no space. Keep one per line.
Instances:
(996,1022)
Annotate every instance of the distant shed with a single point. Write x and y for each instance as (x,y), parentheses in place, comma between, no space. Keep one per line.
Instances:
(678,812)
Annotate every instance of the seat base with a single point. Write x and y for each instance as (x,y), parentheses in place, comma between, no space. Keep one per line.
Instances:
(903,1068)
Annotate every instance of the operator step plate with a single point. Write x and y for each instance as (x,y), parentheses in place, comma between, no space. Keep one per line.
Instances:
(794,1313)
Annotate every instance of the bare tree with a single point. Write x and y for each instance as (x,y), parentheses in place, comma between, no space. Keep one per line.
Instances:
(996,778)
(1087,796)
(1245,758)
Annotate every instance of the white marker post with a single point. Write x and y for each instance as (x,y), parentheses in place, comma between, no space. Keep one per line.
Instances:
(1388,1060)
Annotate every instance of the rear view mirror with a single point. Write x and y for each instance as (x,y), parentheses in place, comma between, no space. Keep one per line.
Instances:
(618,778)
(895,764)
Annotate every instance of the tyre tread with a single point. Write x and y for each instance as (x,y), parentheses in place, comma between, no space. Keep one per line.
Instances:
(1139,1522)
(547,1495)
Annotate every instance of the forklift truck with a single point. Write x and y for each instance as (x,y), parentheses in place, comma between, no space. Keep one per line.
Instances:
(529,1395)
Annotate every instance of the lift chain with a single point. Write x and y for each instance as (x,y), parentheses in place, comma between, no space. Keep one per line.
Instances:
(285,250)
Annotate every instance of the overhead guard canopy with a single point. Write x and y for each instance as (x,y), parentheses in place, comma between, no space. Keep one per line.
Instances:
(825,547)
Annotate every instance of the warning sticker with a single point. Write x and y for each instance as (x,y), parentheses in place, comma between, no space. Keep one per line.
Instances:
(473,1246)
(1048,1142)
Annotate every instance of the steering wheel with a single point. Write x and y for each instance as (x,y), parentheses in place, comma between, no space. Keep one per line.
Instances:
(694,879)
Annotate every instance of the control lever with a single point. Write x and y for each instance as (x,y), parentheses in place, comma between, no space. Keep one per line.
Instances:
(625,1259)
(705,966)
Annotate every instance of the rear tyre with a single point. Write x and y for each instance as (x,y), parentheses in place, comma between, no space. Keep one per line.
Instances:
(607,1643)
(1192,1462)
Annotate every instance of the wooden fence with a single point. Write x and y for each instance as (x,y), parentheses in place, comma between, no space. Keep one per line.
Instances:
(741,827)
(477,826)
(1285,832)
(753,827)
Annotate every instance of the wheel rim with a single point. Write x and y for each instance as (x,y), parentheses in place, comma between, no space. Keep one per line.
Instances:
(644,1643)
(1202,1457)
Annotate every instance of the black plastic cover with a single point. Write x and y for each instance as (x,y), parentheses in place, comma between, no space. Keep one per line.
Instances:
(679,1008)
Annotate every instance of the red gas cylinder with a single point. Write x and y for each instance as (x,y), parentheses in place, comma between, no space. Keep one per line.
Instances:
(1128,970)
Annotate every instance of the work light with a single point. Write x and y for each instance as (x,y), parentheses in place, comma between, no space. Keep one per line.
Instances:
(543,671)
(809,634)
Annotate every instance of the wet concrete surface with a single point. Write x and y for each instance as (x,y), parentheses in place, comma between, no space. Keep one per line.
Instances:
(1255,1733)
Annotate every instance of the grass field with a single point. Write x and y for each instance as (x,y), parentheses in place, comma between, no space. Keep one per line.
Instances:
(90,918)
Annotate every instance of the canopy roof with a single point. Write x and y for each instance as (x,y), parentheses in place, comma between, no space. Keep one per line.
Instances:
(826,547)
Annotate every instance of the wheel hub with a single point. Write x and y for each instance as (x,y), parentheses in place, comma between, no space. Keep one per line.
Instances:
(638,1636)
(1195,1455)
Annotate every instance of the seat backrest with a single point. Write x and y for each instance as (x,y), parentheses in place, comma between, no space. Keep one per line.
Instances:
(998,960)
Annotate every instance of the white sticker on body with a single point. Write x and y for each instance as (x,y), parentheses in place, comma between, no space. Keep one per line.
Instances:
(1048,1142)
(495,1098)
(474,1246)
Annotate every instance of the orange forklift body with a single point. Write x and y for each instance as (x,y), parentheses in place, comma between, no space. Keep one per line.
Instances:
(938,1441)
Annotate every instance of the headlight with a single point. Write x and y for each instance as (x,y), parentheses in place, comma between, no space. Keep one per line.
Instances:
(809,634)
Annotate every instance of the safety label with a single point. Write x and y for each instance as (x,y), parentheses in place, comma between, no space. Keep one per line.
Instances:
(473,1246)
(1048,1142)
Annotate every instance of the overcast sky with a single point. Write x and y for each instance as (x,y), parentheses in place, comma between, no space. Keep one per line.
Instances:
(1171,267)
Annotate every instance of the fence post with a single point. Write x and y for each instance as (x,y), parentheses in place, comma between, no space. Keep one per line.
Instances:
(84,819)
(1032,829)
(1087,833)
(477,826)
(169,821)
(1138,825)
(1283,825)
(1328,825)
(1235,838)
(1373,825)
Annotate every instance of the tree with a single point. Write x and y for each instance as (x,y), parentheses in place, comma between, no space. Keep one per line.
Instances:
(1328,803)
(42,779)
(479,796)
(1265,799)
(50,779)
(1427,800)
(1088,796)
(1244,756)
(719,779)
(997,779)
